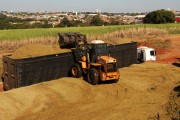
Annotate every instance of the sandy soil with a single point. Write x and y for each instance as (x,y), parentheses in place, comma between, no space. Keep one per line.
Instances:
(172,53)
(142,93)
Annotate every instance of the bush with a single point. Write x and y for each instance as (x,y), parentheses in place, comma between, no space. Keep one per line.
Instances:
(96,20)
(159,17)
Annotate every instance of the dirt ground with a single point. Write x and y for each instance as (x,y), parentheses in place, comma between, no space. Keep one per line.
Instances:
(148,91)
(168,55)
(142,93)
(173,52)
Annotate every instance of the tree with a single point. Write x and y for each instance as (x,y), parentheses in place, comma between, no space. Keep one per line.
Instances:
(2,17)
(114,21)
(96,20)
(64,22)
(46,25)
(154,17)
(4,23)
(76,23)
(168,15)
(160,16)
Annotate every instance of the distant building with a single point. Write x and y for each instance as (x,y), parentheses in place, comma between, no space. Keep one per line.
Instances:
(139,19)
(177,19)
(139,16)
(92,14)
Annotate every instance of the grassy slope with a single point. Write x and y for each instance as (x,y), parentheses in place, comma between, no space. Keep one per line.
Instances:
(21,34)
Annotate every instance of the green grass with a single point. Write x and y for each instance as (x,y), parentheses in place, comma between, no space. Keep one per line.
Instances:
(174,31)
(23,34)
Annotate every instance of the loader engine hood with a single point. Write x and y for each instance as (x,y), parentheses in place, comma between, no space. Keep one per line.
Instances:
(106,59)
(108,63)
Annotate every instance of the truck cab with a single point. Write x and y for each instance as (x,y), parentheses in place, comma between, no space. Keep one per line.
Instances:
(146,54)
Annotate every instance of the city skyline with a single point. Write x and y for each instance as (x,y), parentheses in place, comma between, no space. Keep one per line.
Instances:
(88,6)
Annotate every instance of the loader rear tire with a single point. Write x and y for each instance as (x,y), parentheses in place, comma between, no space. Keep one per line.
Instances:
(93,76)
(76,70)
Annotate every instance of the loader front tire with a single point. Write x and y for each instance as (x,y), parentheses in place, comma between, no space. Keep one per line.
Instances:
(93,76)
(76,70)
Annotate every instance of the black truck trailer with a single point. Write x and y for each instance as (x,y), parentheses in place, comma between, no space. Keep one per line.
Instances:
(23,72)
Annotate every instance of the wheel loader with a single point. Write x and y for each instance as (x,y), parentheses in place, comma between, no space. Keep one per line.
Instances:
(91,60)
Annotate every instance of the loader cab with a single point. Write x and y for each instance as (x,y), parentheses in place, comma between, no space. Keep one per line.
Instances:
(97,49)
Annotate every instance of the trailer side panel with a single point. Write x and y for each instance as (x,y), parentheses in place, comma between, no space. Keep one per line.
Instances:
(126,54)
(23,72)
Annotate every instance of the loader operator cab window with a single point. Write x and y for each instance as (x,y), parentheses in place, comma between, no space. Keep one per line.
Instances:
(97,50)
(153,53)
(102,49)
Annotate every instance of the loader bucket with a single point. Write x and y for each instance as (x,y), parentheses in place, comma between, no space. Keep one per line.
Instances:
(68,40)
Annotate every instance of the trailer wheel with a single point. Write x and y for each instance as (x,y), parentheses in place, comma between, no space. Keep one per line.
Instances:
(93,76)
(76,70)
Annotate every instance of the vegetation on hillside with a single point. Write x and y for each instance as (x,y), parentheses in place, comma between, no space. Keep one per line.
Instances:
(17,23)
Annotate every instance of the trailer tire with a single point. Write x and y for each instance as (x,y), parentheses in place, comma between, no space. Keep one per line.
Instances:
(93,76)
(76,71)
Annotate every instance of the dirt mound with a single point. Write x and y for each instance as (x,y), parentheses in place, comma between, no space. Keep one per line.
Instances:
(34,50)
(173,106)
(39,97)
(141,93)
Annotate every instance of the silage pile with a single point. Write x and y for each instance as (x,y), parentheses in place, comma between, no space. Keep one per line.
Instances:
(35,50)
(1,69)
(141,93)
(173,106)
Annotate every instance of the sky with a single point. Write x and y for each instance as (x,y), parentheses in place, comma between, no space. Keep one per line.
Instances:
(88,5)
